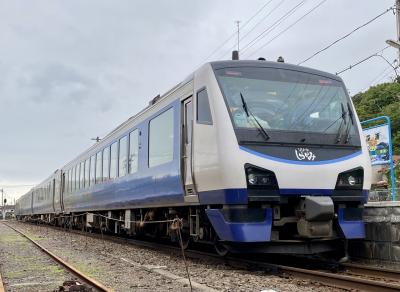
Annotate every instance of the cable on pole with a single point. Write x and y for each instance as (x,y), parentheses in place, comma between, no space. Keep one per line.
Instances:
(378,77)
(273,26)
(289,27)
(376,54)
(249,31)
(346,35)
(234,33)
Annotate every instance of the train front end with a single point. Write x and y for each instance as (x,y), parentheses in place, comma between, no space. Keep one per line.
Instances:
(295,167)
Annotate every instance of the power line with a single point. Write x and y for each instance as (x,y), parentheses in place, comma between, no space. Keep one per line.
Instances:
(378,77)
(289,27)
(345,36)
(273,26)
(262,19)
(248,32)
(233,34)
(384,76)
(376,54)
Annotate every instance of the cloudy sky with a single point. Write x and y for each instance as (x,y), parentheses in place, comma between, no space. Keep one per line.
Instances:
(73,70)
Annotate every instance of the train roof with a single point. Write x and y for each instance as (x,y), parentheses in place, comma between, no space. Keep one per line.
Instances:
(279,65)
(215,65)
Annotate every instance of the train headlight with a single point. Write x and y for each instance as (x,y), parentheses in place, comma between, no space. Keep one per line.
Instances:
(252,179)
(350,180)
(260,178)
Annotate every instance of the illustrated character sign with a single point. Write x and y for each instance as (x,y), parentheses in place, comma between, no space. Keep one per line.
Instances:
(377,139)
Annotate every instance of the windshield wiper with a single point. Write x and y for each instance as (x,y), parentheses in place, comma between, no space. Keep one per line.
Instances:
(249,113)
(347,133)
(343,120)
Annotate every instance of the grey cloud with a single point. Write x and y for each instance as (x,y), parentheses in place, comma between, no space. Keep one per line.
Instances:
(56,83)
(72,70)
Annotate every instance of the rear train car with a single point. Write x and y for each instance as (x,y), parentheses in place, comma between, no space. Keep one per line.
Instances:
(251,156)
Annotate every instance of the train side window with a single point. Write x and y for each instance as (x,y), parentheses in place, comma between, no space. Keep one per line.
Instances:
(74,178)
(78,176)
(123,155)
(92,170)
(66,181)
(203,108)
(71,180)
(161,138)
(87,173)
(84,174)
(106,163)
(99,166)
(114,160)
(133,151)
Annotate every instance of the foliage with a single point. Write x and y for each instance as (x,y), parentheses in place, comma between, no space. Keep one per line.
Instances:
(381,100)
(396,176)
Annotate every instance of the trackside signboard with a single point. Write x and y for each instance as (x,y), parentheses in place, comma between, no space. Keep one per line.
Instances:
(378,144)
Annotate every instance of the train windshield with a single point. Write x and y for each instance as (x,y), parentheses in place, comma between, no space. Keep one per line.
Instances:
(280,100)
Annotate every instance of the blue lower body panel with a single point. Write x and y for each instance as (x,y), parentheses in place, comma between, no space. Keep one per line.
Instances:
(352,229)
(241,231)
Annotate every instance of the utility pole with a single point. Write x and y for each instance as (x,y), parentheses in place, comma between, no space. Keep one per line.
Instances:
(397,9)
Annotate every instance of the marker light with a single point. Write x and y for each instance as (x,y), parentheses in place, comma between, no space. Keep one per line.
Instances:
(260,178)
(350,180)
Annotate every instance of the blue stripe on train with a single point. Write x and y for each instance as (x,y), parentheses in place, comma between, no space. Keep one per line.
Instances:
(241,231)
(301,162)
(240,196)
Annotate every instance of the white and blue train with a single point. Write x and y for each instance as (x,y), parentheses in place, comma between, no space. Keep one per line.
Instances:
(252,156)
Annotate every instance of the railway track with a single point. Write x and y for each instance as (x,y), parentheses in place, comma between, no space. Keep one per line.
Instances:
(85,283)
(348,276)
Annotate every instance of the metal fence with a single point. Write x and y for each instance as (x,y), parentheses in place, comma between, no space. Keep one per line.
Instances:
(382,195)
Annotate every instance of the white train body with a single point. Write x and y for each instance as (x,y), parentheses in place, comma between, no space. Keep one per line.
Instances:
(257,153)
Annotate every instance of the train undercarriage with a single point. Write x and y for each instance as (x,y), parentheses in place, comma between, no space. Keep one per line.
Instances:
(291,231)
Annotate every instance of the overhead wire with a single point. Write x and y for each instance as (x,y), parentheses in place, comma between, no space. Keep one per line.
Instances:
(346,35)
(273,26)
(288,27)
(262,19)
(384,76)
(252,29)
(377,77)
(376,54)
(234,33)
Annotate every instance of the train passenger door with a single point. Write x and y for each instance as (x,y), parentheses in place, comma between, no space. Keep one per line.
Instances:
(187,158)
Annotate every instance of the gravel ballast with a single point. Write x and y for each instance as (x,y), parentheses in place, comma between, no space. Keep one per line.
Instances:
(25,268)
(126,267)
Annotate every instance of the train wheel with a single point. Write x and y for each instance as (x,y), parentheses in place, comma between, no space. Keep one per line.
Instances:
(220,248)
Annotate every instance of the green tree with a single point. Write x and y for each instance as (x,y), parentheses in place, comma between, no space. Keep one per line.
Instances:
(381,100)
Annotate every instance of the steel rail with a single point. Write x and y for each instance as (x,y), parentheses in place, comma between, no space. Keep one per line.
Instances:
(342,281)
(327,278)
(372,271)
(63,263)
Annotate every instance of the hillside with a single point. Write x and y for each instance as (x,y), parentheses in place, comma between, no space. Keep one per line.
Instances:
(381,100)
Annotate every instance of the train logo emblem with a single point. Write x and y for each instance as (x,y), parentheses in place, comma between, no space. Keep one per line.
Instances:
(304,154)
